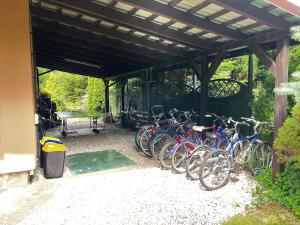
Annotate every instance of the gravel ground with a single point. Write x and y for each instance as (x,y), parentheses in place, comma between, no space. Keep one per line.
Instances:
(144,196)
(140,194)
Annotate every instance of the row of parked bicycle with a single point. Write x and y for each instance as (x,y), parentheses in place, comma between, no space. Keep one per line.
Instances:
(214,155)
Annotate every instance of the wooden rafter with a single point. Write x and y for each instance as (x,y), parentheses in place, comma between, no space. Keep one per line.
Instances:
(250,11)
(217,60)
(263,57)
(250,26)
(174,2)
(217,14)
(235,20)
(200,6)
(127,20)
(43,13)
(105,44)
(185,17)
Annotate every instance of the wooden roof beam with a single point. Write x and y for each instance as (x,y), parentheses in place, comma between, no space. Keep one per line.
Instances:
(217,60)
(253,12)
(79,55)
(132,22)
(185,17)
(174,3)
(200,6)
(217,14)
(108,46)
(43,13)
(264,57)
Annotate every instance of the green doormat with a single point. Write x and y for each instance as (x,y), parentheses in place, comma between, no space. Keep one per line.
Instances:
(95,161)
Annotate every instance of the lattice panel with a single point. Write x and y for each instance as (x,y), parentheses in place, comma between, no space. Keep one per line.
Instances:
(223,88)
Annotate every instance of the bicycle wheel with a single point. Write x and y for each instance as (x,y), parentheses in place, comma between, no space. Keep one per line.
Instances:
(215,169)
(180,155)
(165,154)
(260,157)
(193,162)
(145,142)
(138,135)
(157,143)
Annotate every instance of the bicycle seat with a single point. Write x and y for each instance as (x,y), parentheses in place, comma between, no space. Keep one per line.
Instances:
(199,128)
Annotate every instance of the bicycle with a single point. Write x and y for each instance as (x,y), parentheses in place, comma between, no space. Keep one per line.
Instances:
(218,166)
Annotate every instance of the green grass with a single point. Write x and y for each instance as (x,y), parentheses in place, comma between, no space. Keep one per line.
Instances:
(264,215)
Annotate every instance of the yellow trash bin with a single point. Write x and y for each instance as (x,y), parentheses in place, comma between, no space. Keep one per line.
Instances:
(54,159)
(43,141)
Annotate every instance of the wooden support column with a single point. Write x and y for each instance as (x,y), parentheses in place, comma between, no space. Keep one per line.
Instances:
(204,74)
(122,87)
(280,106)
(106,95)
(279,69)
(250,79)
(204,91)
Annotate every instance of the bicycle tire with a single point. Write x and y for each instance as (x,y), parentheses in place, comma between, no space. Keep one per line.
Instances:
(210,159)
(145,142)
(194,161)
(164,155)
(157,143)
(138,135)
(261,152)
(182,149)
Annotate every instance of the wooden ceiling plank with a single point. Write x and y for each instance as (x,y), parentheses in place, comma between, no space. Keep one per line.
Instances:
(250,11)
(132,22)
(43,13)
(186,18)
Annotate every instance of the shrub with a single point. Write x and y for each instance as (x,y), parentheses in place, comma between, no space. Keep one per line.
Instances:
(287,143)
(285,190)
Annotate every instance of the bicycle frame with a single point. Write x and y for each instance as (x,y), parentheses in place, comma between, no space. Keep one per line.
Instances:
(234,143)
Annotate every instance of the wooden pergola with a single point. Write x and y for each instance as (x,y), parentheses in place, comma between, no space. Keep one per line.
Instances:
(108,38)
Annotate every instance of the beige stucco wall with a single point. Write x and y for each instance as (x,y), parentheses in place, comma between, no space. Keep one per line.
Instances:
(17,129)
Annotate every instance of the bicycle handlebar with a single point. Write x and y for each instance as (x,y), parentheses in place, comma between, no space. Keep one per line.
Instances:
(236,123)
(255,122)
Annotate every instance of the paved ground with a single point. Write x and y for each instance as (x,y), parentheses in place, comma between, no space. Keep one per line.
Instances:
(140,194)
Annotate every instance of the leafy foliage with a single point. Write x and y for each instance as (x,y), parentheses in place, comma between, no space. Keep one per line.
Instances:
(72,92)
(263,97)
(235,68)
(287,143)
(95,100)
(285,190)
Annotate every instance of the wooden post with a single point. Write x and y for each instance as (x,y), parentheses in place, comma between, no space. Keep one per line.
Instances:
(280,106)
(204,91)
(250,79)
(148,83)
(106,95)
(122,86)
(122,97)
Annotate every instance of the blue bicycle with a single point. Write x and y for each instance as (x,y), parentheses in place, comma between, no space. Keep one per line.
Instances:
(219,166)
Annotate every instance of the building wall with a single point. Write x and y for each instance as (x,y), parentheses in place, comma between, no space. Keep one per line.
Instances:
(17,129)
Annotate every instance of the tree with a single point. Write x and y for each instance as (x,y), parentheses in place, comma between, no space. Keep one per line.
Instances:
(95,94)
(52,88)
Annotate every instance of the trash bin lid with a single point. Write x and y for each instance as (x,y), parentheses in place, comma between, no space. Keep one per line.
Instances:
(46,139)
(53,147)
